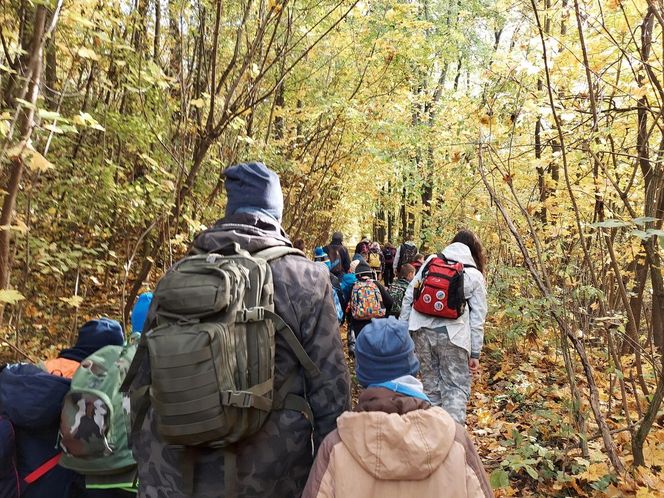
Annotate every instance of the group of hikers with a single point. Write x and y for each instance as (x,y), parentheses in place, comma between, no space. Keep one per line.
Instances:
(234,380)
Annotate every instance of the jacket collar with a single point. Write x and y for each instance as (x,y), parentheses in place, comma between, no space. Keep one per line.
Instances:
(252,231)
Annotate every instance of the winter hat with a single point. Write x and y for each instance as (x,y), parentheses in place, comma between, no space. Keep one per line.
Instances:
(140,312)
(94,335)
(320,255)
(384,351)
(362,268)
(252,187)
(337,237)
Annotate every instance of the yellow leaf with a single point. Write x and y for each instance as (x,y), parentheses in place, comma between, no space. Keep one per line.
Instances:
(74,301)
(595,472)
(37,162)
(10,296)
(198,103)
(87,53)
(33,159)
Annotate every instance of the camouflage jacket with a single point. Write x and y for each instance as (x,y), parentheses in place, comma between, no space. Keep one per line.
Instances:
(275,461)
(397,291)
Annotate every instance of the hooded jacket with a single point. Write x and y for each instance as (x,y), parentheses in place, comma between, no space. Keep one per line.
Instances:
(32,400)
(467,331)
(395,446)
(275,461)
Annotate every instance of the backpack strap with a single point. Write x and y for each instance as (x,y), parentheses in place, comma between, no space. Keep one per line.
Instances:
(294,343)
(43,469)
(136,362)
(272,253)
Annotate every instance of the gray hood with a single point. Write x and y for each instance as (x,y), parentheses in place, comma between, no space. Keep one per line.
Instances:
(253,231)
(459,252)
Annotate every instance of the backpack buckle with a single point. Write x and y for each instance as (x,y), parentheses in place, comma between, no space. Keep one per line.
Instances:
(238,399)
(255,314)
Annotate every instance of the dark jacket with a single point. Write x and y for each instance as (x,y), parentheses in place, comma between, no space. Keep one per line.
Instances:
(32,400)
(276,460)
(344,258)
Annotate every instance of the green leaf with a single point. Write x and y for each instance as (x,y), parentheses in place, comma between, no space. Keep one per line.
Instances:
(658,233)
(10,296)
(531,472)
(25,103)
(611,224)
(44,114)
(643,220)
(640,234)
(499,479)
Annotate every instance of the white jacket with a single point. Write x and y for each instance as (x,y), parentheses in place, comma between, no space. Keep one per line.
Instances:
(467,331)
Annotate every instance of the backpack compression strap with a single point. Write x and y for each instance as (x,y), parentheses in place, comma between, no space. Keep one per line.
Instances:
(43,469)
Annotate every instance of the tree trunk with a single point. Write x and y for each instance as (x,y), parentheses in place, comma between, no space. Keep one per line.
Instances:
(25,127)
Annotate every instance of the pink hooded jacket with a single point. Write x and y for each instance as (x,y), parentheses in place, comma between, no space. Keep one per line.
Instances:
(395,447)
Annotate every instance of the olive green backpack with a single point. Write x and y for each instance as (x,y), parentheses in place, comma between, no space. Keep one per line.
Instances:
(211,349)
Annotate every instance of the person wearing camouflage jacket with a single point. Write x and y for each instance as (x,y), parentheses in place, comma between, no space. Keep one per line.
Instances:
(275,461)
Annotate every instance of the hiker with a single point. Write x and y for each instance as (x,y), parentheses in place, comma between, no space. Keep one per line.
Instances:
(320,256)
(338,254)
(395,443)
(389,252)
(347,282)
(398,288)
(361,252)
(418,261)
(93,335)
(446,320)
(406,253)
(174,443)
(299,244)
(30,405)
(369,300)
(375,259)
(140,312)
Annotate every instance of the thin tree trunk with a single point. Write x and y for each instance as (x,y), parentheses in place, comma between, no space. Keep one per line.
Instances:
(25,127)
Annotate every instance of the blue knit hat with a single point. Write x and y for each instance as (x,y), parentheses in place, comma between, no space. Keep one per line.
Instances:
(320,254)
(140,312)
(253,187)
(384,351)
(94,335)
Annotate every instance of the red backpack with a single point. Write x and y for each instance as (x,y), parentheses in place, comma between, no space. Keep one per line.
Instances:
(441,292)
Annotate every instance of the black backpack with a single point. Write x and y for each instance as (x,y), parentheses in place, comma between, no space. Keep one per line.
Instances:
(407,254)
(335,260)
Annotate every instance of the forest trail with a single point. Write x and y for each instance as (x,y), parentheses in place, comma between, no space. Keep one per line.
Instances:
(535,124)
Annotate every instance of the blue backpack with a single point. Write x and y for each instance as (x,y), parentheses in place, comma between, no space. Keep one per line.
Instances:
(30,401)
(337,305)
(10,483)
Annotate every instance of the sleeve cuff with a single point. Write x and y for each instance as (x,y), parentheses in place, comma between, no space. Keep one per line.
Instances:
(475,356)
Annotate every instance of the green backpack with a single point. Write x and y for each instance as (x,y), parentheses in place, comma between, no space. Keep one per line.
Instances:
(211,351)
(94,421)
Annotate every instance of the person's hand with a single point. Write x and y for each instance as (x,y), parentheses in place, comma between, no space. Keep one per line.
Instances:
(474,365)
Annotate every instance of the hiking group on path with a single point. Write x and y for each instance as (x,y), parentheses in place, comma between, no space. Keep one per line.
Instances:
(234,381)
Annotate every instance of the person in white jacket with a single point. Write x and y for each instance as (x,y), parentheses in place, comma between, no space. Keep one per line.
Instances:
(449,350)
